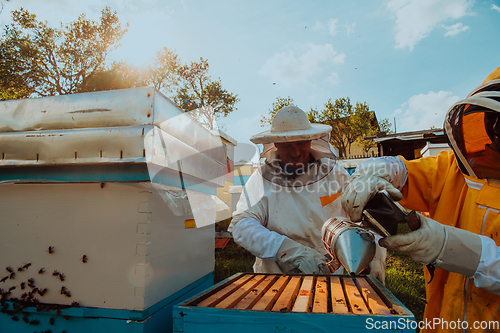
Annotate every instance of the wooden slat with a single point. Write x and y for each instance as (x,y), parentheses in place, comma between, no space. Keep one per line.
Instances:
(304,298)
(237,295)
(357,303)
(255,294)
(375,303)
(284,302)
(339,304)
(221,294)
(267,301)
(395,306)
(320,304)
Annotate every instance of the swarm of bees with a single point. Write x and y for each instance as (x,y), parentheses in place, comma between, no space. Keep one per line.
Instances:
(16,307)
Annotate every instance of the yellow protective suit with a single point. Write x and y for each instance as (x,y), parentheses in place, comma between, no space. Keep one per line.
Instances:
(447,187)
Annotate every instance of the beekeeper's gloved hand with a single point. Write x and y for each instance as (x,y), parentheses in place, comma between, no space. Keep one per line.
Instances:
(377,265)
(446,247)
(376,174)
(306,259)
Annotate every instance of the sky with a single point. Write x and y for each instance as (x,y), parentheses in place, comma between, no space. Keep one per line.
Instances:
(409,60)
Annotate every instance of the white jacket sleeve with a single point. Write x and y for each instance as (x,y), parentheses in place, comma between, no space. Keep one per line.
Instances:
(257,239)
(249,221)
(487,275)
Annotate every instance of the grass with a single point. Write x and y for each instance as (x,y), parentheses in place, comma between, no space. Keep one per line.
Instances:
(404,277)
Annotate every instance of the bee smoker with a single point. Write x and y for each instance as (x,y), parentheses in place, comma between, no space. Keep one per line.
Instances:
(352,246)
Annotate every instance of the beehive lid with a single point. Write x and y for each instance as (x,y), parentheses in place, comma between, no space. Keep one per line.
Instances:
(136,126)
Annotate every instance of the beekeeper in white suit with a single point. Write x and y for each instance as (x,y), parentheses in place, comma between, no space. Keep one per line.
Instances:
(286,201)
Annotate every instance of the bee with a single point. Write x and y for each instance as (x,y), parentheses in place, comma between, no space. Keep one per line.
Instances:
(23,285)
(75,304)
(42,292)
(4,279)
(62,277)
(24,295)
(67,293)
(66,317)
(14,318)
(31,280)
(12,276)
(12,288)
(34,322)
(26,320)
(9,269)
(55,273)
(20,269)
(63,290)
(85,258)
(27,265)
(51,321)
(58,313)
(51,249)
(41,271)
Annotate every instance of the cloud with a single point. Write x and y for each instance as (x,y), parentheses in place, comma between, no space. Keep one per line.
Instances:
(332,27)
(350,28)
(318,26)
(455,29)
(421,111)
(495,7)
(333,78)
(415,19)
(288,69)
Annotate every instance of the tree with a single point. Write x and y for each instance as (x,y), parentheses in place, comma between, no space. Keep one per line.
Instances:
(349,123)
(163,73)
(60,61)
(198,92)
(280,103)
(120,75)
(383,126)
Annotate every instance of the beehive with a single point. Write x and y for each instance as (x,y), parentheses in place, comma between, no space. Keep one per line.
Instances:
(101,193)
(292,303)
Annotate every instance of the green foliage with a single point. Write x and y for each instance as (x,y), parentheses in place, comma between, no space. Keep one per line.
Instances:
(231,260)
(405,279)
(120,75)
(50,61)
(349,122)
(163,72)
(383,126)
(280,103)
(199,91)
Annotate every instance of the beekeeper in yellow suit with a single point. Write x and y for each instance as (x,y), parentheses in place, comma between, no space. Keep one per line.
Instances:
(286,201)
(461,192)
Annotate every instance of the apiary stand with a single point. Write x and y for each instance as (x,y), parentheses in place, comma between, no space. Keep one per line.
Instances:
(293,303)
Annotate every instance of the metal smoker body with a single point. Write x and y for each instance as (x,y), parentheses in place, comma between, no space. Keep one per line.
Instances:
(351,245)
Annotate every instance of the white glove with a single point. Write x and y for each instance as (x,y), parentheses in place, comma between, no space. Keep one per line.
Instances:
(446,247)
(372,176)
(306,259)
(377,265)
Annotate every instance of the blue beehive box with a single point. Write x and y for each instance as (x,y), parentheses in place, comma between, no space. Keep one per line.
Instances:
(294,303)
(107,202)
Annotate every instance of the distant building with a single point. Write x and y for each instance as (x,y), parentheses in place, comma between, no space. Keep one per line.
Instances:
(411,145)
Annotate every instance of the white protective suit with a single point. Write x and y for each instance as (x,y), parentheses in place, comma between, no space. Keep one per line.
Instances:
(274,205)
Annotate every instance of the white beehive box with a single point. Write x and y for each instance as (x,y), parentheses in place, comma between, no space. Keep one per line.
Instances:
(101,175)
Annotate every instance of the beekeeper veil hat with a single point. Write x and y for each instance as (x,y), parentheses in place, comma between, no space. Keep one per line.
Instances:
(291,124)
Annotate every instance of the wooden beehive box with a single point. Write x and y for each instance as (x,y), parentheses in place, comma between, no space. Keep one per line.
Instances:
(100,194)
(248,302)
